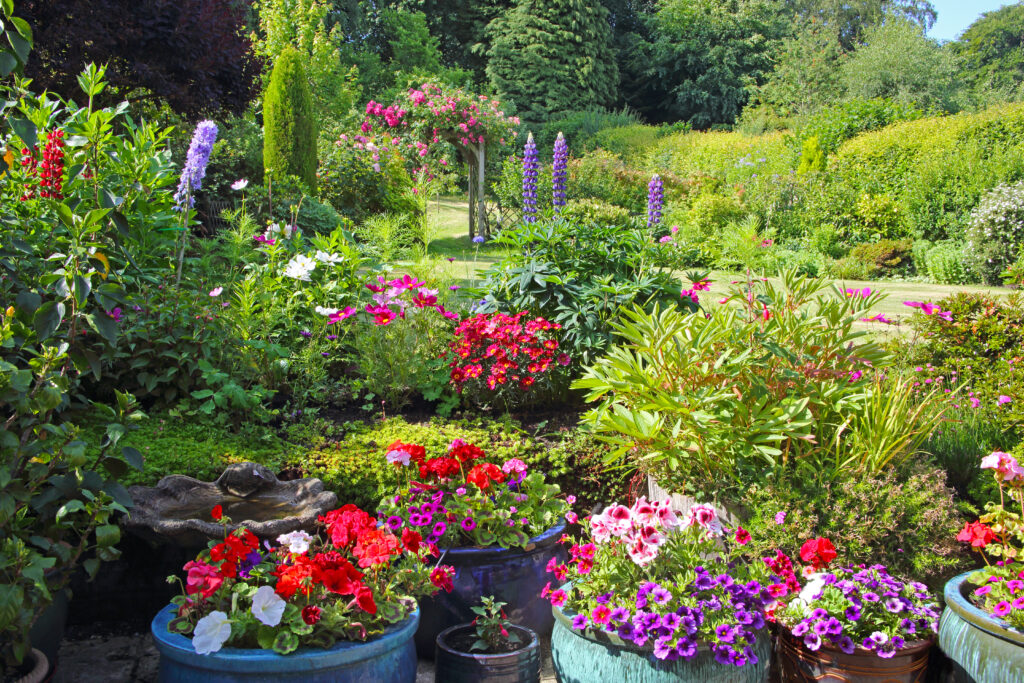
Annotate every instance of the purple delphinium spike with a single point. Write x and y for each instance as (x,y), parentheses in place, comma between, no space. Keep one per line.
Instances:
(654,201)
(530,165)
(559,173)
(195,164)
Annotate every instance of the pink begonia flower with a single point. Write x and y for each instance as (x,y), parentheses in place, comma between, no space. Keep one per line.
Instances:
(216,291)
(1005,465)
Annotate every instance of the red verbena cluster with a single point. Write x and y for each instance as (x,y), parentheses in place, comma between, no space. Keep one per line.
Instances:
(502,350)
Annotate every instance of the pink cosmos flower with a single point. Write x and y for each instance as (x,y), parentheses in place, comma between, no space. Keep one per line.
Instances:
(880,318)
(216,291)
(858,293)
(338,316)
(1003,398)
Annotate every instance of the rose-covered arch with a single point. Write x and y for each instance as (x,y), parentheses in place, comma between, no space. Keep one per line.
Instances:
(425,118)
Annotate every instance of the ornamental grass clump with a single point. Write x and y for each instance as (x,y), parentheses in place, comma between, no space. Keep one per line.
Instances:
(460,498)
(999,534)
(670,584)
(852,609)
(305,591)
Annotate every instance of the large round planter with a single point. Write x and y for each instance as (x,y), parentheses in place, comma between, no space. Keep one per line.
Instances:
(456,666)
(388,658)
(800,665)
(981,647)
(515,576)
(585,657)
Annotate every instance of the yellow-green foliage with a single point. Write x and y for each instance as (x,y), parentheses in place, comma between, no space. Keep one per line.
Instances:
(729,157)
(812,156)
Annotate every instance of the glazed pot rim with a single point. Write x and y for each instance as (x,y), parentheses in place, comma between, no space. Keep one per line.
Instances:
(532,644)
(955,594)
(178,647)
(483,552)
(911,648)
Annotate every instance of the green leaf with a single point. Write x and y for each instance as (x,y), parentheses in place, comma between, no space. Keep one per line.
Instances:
(91,566)
(28,301)
(104,325)
(26,130)
(107,535)
(132,457)
(286,642)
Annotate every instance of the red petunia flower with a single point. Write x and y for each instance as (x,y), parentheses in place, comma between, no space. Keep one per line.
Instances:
(817,552)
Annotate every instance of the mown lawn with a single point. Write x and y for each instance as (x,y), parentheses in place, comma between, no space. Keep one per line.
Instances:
(448,216)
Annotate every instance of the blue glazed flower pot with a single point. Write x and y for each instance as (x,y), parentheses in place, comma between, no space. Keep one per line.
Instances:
(515,576)
(388,658)
(585,657)
(457,665)
(983,648)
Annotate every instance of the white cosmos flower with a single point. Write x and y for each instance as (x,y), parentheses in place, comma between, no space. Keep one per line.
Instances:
(240,184)
(300,267)
(212,632)
(326,311)
(297,541)
(324,257)
(267,606)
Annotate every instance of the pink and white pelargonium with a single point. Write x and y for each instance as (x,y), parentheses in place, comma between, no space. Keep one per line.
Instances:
(1005,465)
(642,528)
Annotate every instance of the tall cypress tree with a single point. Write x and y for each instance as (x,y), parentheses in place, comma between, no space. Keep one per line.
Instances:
(289,124)
(551,56)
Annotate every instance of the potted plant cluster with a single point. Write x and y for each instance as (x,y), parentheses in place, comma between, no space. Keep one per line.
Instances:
(982,631)
(857,622)
(654,596)
(497,525)
(339,608)
(489,649)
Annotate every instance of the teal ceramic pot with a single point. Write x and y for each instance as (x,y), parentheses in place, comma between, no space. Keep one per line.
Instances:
(586,657)
(388,658)
(515,576)
(455,664)
(983,649)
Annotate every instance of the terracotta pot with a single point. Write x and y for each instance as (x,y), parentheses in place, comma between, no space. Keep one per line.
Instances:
(797,664)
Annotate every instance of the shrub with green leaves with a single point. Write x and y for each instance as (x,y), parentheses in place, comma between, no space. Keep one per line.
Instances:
(595,211)
(289,122)
(995,231)
(945,263)
(603,175)
(884,258)
(696,399)
(905,518)
(837,123)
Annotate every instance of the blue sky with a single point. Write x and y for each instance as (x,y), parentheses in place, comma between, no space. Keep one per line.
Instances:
(957,15)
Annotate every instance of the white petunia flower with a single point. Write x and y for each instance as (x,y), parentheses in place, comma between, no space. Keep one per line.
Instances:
(300,267)
(297,541)
(212,632)
(267,606)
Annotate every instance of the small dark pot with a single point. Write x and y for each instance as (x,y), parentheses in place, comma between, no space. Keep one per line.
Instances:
(456,666)
(797,664)
(515,576)
(48,631)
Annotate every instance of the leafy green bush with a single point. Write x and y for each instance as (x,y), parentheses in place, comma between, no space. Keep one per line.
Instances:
(579,275)
(313,217)
(711,212)
(237,155)
(812,156)
(508,186)
(289,123)
(696,401)
(353,188)
(884,258)
(903,518)
(580,127)
(945,263)
(603,175)
(595,211)
(995,232)
(878,218)
(837,123)
(629,142)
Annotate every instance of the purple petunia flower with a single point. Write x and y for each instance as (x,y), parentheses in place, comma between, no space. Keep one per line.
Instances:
(1002,609)
(579,622)
(894,605)
(801,628)
(394,522)
(439,529)
(871,597)
(468,524)
(853,613)
(846,644)
(812,640)
(660,595)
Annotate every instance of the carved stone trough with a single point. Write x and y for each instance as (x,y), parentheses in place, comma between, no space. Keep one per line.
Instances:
(178,508)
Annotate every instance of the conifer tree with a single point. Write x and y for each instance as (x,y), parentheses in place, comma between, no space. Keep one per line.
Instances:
(289,128)
(552,56)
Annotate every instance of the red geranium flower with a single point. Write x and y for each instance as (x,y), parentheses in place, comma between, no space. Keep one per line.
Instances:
(817,552)
(482,474)
(217,512)
(376,546)
(346,523)
(411,540)
(977,534)
(364,598)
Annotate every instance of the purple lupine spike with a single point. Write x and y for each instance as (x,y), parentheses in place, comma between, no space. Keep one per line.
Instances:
(530,166)
(559,173)
(195,164)
(655,197)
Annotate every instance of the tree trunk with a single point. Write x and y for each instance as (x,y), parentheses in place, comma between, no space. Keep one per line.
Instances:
(472,203)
